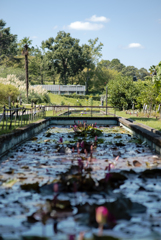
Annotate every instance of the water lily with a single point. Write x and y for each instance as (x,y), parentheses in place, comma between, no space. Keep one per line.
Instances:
(117,158)
(86,153)
(80,164)
(55,187)
(101,215)
(71,237)
(82,144)
(60,139)
(107,177)
(91,148)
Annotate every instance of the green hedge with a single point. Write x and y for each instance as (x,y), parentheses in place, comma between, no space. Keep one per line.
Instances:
(76,96)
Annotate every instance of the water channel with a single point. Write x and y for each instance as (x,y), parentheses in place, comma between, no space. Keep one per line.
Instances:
(51,185)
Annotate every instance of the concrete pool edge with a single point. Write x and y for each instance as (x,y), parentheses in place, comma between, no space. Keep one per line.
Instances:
(145,133)
(20,135)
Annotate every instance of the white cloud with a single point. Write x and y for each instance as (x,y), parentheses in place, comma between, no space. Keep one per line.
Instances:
(135,45)
(33,37)
(159,20)
(85,26)
(94,18)
(55,27)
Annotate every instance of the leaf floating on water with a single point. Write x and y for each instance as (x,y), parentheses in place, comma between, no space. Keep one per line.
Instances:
(48,134)
(34,238)
(9,183)
(129,164)
(30,186)
(25,167)
(118,136)
(47,140)
(34,138)
(10,171)
(120,144)
(136,163)
(147,164)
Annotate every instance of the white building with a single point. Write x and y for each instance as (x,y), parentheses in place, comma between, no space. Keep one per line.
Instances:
(64,89)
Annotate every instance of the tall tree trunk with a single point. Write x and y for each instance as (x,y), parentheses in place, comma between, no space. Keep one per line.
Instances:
(42,81)
(27,80)
(53,80)
(87,81)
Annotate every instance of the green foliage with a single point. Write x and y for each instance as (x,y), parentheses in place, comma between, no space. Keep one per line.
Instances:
(6,91)
(66,56)
(157,78)
(36,94)
(147,93)
(76,96)
(62,103)
(19,72)
(8,45)
(25,41)
(90,101)
(122,92)
(78,103)
(129,71)
(39,64)
(95,50)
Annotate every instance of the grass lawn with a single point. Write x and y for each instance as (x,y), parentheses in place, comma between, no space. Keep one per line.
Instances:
(144,119)
(59,99)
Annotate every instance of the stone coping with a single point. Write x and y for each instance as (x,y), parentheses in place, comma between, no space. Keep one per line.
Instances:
(21,130)
(149,133)
(10,140)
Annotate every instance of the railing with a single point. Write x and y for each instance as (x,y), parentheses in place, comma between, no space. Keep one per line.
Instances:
(18,116)
(81,111)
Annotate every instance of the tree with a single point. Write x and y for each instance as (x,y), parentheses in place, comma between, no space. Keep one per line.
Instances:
(8,44)
(122,91)
(114,64)
(66,55)
(24,48)
(94,56)
(152,69)
(95,50)
(8,90)
(38,64)
(147,93)
(157,77)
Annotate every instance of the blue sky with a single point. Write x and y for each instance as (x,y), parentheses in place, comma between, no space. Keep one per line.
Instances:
(130,30)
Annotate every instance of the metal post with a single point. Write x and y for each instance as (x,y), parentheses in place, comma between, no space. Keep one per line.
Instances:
(17,111)
(4,116)
(106,99)
(9,104)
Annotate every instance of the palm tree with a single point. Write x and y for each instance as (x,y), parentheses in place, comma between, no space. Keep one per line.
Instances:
(24,48)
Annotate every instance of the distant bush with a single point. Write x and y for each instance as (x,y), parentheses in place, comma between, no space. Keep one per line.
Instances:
(78,103)
(76,96)
(62,103)
(36,94)
(6,91)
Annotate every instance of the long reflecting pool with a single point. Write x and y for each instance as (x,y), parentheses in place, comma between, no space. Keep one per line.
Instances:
(52,186)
